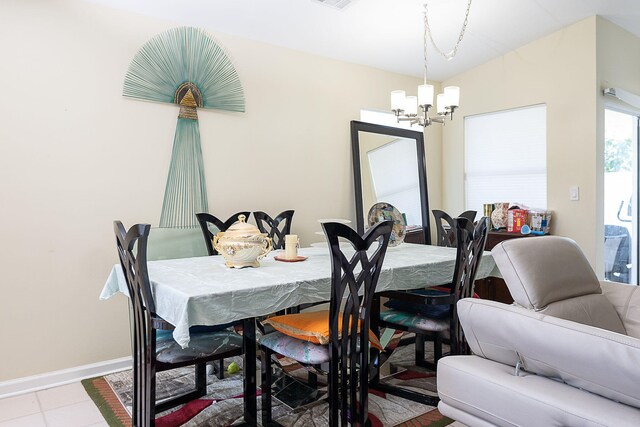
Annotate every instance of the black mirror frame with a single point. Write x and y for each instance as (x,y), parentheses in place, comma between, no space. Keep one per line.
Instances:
(357,126)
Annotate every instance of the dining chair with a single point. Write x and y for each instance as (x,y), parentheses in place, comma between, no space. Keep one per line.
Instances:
(276,228)
(418,319)
(206,219)
(154,348)
(445,227)
(354,277)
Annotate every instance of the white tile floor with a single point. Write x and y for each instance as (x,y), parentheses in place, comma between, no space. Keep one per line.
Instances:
(65,406)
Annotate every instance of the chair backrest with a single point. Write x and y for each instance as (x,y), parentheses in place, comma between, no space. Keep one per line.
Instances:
(276,228)
(353,282)
(445,227)
(470,241)
(132,251)
(205,219)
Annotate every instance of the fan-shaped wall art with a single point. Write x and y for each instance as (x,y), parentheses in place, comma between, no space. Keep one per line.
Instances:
(185,66)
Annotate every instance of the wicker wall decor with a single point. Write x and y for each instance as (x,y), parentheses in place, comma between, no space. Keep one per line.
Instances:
(185,66)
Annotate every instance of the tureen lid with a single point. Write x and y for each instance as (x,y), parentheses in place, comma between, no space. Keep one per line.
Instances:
(242,228)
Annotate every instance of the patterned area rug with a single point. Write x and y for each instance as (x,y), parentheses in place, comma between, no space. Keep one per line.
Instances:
(223,404)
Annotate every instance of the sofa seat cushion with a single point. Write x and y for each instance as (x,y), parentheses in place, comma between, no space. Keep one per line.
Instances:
(626,301)
(594,359)
(477,391)
(202,344)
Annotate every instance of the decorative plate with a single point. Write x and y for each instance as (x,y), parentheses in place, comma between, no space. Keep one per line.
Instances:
(383,211)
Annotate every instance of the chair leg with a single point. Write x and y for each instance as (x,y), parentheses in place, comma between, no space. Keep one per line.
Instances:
(201,379)
(266,386)
(312,379)
(218,369)
(437,349)
(420,360)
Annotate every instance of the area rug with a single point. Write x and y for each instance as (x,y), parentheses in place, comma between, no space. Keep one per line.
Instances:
(223,404)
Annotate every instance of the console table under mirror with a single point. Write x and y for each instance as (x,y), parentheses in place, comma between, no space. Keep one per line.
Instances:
(389,166)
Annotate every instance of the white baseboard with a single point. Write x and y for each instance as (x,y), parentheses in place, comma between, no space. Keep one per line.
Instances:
(62,377)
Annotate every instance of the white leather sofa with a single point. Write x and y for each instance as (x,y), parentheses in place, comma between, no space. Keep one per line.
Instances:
(567,353)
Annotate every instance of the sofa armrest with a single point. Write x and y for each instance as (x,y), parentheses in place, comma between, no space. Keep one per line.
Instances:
(590,358)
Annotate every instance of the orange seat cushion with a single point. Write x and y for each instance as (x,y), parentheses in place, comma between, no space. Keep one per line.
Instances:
(312,326)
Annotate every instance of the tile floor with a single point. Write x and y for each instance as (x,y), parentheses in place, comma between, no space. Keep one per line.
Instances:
(64,406)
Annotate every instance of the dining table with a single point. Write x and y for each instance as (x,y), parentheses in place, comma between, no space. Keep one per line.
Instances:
(204,291)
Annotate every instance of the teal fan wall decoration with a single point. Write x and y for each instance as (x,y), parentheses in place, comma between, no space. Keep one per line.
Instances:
(185,66)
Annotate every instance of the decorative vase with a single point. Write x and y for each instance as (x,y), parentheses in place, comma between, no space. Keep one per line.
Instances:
(499,215)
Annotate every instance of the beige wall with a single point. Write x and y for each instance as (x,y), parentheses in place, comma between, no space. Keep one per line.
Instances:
(75,155)
(559,71)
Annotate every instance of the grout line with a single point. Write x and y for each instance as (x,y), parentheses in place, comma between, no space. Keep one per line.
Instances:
(44,419)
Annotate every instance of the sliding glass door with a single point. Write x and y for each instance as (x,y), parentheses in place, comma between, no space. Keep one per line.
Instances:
(621,197)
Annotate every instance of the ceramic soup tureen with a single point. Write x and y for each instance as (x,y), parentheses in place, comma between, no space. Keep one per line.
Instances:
(242,245)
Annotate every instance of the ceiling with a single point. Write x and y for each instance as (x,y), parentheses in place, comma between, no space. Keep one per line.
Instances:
(387,34)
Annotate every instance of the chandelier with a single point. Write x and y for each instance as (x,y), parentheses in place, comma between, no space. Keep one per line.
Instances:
(406,107)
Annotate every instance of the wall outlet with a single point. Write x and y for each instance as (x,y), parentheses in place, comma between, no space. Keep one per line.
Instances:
(574,193)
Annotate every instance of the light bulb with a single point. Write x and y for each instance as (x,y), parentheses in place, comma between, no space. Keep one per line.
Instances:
(397,100)
(411,106)
(452,96)
(425,95)
(441,103)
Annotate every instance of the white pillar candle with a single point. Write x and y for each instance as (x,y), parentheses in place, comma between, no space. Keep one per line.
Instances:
(291,246)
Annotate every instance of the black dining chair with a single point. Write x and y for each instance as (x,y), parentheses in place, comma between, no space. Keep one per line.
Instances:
(154,348)
(276,228)
(206,220)
(354,277)
(433,314)
(445,227)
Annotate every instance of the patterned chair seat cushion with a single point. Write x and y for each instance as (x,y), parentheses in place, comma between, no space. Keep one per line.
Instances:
(312,326)
(412,320)
(202,344)
(435,311)
(294,348)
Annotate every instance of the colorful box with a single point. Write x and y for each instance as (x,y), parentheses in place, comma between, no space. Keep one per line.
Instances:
(516,218)
(540,221)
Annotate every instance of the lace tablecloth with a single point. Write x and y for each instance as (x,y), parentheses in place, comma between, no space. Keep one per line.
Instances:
(203,291)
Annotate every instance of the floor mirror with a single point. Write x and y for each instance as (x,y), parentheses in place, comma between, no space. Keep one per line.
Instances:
(389,166)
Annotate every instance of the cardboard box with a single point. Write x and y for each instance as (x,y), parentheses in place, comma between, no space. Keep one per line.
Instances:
(516,218)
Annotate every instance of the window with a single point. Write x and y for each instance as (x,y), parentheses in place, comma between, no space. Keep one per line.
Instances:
(506,158)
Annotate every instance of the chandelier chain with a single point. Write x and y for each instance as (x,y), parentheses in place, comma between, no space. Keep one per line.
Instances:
(427,33)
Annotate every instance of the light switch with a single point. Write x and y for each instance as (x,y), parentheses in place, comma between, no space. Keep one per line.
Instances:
(574,193)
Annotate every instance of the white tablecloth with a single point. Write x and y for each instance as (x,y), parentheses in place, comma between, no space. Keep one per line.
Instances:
(203,291)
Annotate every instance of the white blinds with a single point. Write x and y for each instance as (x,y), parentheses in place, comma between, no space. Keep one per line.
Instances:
(506,158)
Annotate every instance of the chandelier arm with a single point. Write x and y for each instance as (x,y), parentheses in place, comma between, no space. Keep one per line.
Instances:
(454,51)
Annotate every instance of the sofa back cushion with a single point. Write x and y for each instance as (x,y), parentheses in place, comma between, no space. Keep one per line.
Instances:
(550,274)
(593,359)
